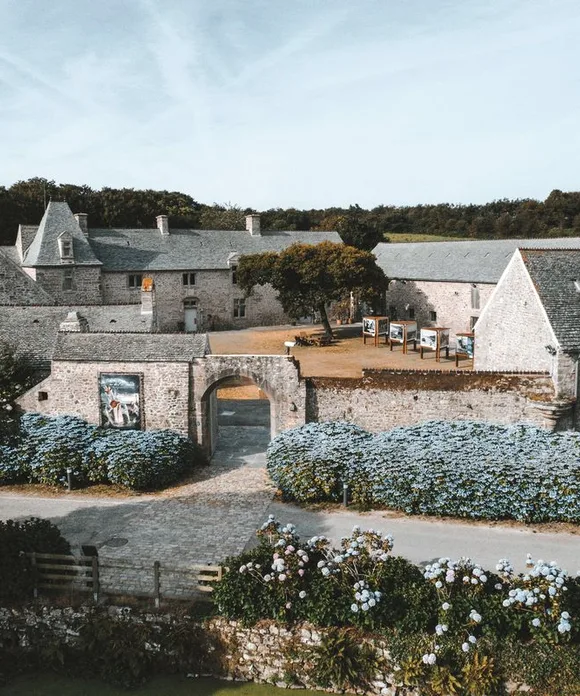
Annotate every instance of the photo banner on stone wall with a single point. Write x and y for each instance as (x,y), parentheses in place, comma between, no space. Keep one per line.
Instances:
(120,401)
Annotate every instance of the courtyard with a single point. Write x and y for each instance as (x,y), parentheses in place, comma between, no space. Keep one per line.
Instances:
(346,356)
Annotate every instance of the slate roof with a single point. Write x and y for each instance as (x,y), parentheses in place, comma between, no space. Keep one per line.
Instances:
(44,250)
(33,330)
(17,287)
(129,347)
(554,273)
(481,261)
(148,250)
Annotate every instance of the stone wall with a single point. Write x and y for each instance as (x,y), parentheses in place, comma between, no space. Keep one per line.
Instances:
(86,284)
(382,400)
(451,302)
(513,331)
(72,388)
(214,292)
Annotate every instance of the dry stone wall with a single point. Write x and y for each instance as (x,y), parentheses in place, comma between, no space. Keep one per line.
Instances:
(383,400)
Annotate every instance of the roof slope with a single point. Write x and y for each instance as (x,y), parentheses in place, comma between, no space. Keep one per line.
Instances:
(129,347)
(554,273)
(148,250)
(481,261)
(44,251)
(17,287)
(32,331)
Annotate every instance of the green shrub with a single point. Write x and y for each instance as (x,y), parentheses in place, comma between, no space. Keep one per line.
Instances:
(309,463)
(140,460)
(16,582)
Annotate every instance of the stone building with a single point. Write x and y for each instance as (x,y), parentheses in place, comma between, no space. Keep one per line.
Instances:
(193,271)
(532,320)
(448,283)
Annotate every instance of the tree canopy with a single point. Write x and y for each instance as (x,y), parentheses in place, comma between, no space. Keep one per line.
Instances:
(559,214)
(307,277)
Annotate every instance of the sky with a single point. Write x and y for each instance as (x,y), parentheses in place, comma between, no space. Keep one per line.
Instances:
(294,103)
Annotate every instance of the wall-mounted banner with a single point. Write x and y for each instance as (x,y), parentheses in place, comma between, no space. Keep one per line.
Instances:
(120,400)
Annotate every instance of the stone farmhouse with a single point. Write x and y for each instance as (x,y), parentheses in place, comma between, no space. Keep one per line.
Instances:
(449,283)
(532,320)
(193,271)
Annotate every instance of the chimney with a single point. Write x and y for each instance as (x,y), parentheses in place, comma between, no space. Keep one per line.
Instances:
(83,222)
(253,224)
(148,303)
(74,322)
(163,225)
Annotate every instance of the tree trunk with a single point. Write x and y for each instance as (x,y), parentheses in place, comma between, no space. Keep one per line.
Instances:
(324,319)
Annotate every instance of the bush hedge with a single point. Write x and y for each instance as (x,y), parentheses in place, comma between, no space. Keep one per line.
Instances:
(24,536)
(459,468)
(452,627)
(48,446)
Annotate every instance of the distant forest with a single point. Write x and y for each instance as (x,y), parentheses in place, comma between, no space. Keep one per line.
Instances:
(558,215)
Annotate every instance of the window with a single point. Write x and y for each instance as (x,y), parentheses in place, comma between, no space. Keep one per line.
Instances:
(432,316)
(189,279)
(239,308)
(472,321)
(411,311)
(67,279)
(392,312)
(474,297)
(134,281)
(234,275)
(65,247)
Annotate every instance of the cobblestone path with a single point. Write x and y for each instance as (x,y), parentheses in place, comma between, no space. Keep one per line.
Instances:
(201,522)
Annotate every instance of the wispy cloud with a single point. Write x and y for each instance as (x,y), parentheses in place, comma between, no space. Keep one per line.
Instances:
(307,103)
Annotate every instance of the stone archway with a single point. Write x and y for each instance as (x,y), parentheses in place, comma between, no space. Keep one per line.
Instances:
(278,376)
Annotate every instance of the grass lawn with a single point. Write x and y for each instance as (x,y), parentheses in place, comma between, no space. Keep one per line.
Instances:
(52,685)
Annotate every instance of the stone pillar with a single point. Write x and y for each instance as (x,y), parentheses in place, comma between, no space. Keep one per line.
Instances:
(83,222)
(253,224)
(74,322)
(148,301)
(163,225)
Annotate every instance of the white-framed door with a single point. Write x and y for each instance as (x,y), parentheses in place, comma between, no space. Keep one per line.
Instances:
(191,314)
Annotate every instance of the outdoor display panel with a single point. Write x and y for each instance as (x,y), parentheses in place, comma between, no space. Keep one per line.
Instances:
(403,331)
(375,327)
(120,400)
(466,344)
(435,338)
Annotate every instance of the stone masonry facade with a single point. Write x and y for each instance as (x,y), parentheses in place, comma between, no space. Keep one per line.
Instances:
(214,292)
(451,302)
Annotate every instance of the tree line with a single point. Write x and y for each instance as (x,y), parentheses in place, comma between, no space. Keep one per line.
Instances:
(558,214)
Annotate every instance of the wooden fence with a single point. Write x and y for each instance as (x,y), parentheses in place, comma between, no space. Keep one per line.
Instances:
(62,573)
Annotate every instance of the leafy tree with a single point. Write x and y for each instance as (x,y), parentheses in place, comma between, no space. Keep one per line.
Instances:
(307,277)
(16,377)
(222,217)
(355,227)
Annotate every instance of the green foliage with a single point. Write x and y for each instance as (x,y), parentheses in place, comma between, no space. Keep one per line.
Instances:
(308,277)
(16,538)
(16,376)
(344,660)
(141,460)
(309,463)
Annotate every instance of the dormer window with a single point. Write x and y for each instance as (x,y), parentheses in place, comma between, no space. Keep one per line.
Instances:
(65,248)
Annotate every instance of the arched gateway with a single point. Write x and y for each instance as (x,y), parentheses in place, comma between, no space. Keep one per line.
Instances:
(278,376)
(165,381)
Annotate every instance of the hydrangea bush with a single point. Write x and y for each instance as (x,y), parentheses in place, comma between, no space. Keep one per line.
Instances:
(48,446)
(309,463)
(459,468)
(453,626)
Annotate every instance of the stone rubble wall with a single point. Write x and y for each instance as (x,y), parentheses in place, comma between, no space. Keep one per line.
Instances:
(267,652)
(391,399)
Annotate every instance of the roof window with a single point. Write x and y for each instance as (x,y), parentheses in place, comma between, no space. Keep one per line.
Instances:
(577,285)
